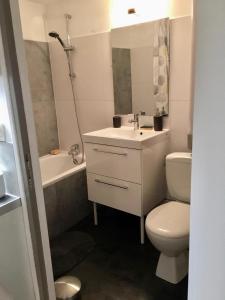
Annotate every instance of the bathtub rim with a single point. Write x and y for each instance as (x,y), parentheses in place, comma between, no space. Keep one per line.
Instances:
(63,175)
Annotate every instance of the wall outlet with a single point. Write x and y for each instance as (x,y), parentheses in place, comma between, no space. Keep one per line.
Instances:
(2,133)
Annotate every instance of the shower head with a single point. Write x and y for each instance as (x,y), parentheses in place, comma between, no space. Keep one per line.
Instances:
(55,35)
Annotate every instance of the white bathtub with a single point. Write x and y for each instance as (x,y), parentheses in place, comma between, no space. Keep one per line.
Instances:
(57,167)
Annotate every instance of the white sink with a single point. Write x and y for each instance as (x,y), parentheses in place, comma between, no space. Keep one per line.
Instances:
(124,137)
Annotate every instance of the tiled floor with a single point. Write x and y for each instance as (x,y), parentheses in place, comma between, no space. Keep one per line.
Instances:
(119,268)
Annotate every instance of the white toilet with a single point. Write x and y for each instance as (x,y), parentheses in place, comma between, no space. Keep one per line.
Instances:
(167,225)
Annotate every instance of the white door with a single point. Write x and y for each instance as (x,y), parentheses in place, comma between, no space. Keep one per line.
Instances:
(25,262)
(207,239)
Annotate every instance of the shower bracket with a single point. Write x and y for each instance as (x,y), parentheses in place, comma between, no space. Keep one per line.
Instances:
(69,48)
(72,75)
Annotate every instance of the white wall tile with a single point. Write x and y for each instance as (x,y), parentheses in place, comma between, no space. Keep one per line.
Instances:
(180,58)
(179,120)
(93,86)
(32,16)
(92,62)
(92,66)
(133,37)
(88,16)
(178,142)
(180,115)
(67,125)
(95,115)
(179,124)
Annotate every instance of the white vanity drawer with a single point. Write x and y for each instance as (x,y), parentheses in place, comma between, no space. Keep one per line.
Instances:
(122,195)
(116,162)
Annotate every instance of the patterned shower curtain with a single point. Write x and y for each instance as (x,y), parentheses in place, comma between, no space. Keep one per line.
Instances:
(161,66)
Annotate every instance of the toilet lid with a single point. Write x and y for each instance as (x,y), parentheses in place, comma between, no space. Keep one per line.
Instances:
(169,220)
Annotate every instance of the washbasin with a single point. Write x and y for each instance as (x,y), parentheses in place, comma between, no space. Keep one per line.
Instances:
(123,132)
(124,136)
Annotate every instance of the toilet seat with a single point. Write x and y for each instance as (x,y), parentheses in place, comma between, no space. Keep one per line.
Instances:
(169,220)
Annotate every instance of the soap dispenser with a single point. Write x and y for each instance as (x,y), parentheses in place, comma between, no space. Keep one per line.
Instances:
(158,121)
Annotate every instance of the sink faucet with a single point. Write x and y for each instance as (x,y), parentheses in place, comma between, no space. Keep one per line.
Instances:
(74,152)
(135,121)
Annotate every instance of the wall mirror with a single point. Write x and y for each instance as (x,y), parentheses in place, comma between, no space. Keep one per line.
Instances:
(140,61)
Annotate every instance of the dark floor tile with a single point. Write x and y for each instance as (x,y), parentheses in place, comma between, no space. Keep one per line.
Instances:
(119,268)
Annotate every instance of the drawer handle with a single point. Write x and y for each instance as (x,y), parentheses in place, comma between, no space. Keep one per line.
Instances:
(111,184)
(110,152)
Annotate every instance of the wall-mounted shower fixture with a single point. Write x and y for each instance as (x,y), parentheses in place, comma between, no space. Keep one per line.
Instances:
(69,48)
(68,17)
(74,152)
(55,35)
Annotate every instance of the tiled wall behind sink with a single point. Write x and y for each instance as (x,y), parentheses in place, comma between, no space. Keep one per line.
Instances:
(93,86)
(92,61)
(180,82)
(40,78)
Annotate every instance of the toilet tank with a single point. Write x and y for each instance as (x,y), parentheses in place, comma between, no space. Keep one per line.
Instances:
(178,175)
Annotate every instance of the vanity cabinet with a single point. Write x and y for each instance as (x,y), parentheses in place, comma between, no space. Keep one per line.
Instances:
(116,162)
(131,180)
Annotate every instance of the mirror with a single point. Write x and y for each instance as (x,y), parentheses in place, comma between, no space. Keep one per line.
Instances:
(140,62)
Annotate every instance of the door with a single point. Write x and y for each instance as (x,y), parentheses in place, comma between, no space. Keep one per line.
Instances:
(25,262)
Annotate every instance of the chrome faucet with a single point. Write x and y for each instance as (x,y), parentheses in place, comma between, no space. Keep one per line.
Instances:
(74,152)
(135,121)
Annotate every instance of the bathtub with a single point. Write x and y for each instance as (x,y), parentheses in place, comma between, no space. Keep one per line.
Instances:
(65,192)
(57,167)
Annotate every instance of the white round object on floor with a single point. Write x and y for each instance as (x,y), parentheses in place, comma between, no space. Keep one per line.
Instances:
(67,288)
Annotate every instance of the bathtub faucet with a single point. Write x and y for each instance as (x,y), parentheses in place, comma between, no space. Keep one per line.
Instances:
(74,152)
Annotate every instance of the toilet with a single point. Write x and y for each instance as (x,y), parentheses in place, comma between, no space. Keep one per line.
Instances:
(167,225)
